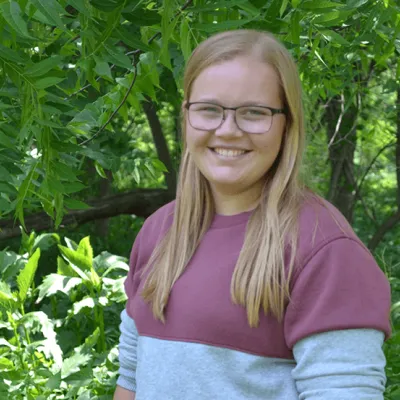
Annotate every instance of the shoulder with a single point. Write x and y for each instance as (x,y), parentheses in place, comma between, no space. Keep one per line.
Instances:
(334,277)
(158,223)
(152,231)
(321,223)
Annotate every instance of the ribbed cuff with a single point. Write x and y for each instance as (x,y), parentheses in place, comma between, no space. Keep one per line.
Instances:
(127,382)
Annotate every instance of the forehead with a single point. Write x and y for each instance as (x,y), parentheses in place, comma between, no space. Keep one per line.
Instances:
(238,81)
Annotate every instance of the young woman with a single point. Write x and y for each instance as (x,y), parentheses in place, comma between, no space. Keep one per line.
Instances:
(248,286)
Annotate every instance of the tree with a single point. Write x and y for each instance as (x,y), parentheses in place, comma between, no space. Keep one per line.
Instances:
(71,72)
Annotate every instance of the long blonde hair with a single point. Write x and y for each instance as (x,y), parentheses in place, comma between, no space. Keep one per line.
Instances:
(260,279)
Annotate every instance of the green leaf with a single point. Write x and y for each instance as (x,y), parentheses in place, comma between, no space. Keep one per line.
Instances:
(128,38)
(117,58)
(38,321)
(12,55)
(356,3)
(332,17)
(6,141)
(47,82)
(159,165)
(143,17)
(54,283)
(74,204)
(52,10)
(90,341)
(103,69)
(54,381)
(65,269)
(86,249)
(106,5)
(6,364)
(43,67)
(25,278)
(80,6)
(5,187)
(76,258)
(4,342)
(11,12)
(216,6)
(4,174)
(185,39)
(332,36)
(7,299)
(72,364)
(45,241)
(136,175)
(319,4)
(295,27)
(220,26)
(100,170)
(59,207)
(283,7)
(79,305)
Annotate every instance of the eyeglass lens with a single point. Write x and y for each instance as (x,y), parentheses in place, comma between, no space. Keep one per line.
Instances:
(251,119)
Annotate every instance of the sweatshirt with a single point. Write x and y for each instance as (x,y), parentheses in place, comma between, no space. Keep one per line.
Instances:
(327,346)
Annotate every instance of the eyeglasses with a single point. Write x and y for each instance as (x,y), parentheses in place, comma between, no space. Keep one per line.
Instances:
(251,119)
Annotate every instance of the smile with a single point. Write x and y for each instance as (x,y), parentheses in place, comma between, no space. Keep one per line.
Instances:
(229,152)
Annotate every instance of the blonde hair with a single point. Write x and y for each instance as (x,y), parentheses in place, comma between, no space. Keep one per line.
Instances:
(260,279)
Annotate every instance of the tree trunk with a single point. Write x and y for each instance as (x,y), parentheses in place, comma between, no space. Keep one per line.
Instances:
(160,143)
(393,219)
(341,133)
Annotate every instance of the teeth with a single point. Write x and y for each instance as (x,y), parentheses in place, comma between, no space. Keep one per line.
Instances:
(229,153)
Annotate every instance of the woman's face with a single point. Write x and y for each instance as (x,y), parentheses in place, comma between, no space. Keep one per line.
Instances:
(231,159)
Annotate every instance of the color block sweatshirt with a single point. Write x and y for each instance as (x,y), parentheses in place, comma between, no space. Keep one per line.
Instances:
(328,345)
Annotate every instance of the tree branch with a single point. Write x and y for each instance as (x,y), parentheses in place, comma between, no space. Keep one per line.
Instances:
(387,225)
(359,186)
(119,106)
(140,202)
(357,195)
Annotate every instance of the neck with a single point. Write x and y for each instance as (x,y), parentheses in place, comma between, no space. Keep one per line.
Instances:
(230,202)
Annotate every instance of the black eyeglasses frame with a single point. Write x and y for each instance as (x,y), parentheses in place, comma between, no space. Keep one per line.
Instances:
(274,111)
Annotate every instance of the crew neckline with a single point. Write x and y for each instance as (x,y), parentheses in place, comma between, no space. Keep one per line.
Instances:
(226,221)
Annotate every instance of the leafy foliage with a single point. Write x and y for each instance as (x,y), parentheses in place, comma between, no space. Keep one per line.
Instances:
(50,353)
(73,78)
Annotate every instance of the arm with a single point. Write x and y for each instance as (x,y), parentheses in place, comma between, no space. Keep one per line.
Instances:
(126,383)
(343,364)
(123,394)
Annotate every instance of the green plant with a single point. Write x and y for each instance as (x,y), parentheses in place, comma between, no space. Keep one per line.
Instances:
(50,353)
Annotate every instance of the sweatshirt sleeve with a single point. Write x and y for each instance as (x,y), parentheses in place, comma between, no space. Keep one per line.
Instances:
(344,364)
(127,353)
(129,334)
(336,321)
(339,287)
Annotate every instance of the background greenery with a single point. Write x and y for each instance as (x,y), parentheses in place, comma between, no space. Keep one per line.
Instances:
(90,94)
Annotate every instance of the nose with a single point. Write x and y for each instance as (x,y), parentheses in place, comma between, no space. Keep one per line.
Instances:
(228,126)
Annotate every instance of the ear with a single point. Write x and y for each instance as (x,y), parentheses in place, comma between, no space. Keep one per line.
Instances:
(183,107)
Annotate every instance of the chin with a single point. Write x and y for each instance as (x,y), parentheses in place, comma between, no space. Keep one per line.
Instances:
(226,182)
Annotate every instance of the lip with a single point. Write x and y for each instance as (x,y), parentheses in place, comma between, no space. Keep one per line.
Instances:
(228,148)
(229,158)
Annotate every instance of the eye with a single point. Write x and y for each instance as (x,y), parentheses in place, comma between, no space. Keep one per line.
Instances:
(206,108)
(209,109)
(254,112)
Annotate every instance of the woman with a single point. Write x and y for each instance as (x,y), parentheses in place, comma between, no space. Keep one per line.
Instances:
(248,286)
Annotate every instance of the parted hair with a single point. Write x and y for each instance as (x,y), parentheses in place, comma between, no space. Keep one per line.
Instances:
(261,276)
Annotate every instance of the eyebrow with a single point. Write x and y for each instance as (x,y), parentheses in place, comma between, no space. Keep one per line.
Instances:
(215,101)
